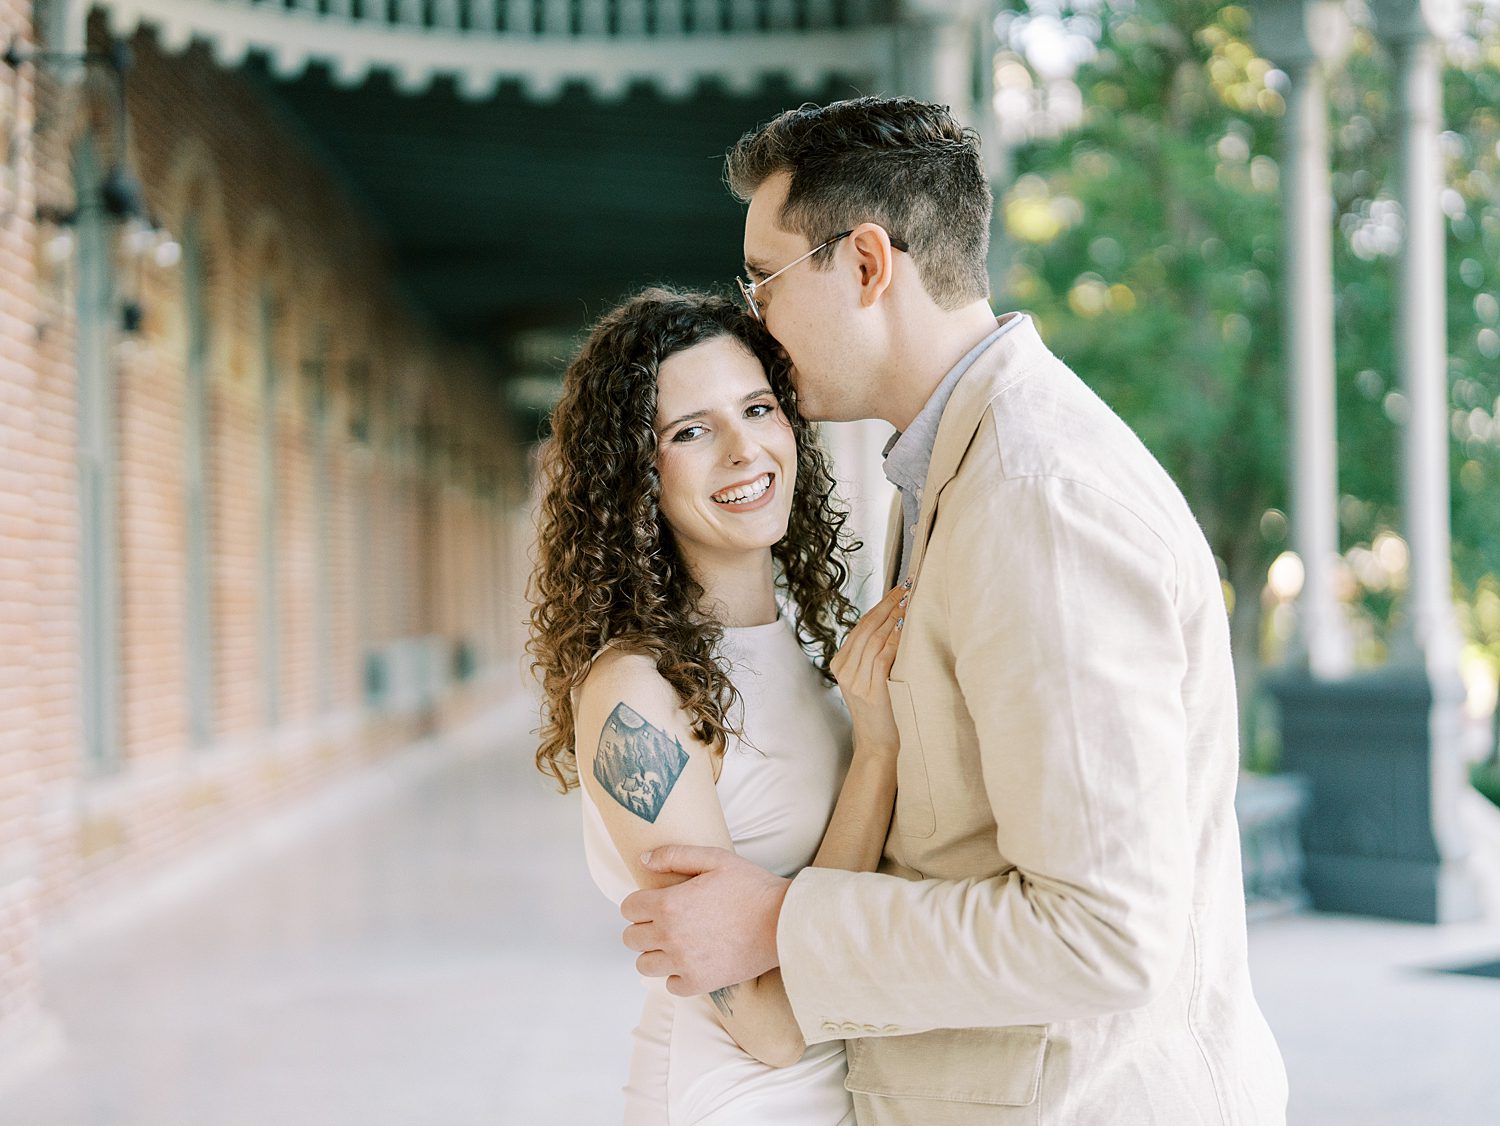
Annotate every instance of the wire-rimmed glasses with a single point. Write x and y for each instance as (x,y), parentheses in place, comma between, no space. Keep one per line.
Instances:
(748,288)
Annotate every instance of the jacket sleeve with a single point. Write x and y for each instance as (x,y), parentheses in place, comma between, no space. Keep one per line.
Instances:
(1069,655)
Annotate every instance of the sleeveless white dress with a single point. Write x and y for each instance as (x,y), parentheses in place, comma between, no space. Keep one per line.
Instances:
(777,786)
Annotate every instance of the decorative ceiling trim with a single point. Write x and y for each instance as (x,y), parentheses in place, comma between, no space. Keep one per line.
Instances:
(416,53)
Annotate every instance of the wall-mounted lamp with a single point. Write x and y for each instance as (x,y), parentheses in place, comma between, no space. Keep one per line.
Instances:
(119,194)
(143,243)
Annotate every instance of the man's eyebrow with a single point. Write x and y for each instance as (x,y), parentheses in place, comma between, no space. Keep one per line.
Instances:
(700,413)
(755,269)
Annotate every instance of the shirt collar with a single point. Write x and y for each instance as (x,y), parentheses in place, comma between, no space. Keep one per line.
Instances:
(908,454)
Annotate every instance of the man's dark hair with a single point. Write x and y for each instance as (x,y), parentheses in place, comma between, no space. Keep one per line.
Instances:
(904,164)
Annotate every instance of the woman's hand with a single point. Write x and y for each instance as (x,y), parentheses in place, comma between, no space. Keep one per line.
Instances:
(862,666)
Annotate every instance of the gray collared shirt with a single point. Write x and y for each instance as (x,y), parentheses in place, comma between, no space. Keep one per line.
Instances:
(909,452)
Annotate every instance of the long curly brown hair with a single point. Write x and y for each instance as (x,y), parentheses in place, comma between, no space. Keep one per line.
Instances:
(607,568)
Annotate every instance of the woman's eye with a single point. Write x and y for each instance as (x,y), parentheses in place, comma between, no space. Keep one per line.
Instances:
(687,434)
(760,410)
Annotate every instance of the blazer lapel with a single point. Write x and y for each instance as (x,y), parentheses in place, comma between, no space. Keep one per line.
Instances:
(1002,365)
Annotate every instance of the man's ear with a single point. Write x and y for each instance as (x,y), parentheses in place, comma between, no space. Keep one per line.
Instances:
(875,259)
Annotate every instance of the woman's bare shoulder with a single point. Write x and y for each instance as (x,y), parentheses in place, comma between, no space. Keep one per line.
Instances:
(623,670)
(651,780)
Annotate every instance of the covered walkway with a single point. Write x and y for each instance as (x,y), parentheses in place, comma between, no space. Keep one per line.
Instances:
(423,947)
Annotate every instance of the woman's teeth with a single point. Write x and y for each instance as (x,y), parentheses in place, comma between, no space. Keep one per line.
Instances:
(744,492)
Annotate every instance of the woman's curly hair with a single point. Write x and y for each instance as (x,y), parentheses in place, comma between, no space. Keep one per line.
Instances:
(607,569)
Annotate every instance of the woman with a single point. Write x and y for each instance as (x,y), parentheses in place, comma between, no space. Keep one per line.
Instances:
(682,491)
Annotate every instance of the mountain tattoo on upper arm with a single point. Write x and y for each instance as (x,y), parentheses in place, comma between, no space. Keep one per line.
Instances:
(637,764)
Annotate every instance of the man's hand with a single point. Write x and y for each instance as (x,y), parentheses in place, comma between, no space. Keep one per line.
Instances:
(716,929)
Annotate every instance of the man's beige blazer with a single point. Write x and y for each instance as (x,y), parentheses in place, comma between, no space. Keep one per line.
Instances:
(1057,932)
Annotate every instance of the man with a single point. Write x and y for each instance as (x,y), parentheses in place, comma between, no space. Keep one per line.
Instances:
(1057,931)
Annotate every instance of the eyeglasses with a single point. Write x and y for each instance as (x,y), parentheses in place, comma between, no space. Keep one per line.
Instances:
(748,288)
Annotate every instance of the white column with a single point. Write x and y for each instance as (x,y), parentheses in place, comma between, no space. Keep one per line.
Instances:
(938,49)
(1300,36)
(61,27)
(1309,351)
(937,53)
(999,162)
(1431,636)
(862,485)
(948,57)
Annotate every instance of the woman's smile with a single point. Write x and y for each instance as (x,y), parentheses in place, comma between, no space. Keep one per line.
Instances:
(747,496)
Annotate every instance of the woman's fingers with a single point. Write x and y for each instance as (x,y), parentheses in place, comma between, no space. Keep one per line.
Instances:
(882,650)
(860,657)
(890,606)
(887,656)
(850,652)
(867,675)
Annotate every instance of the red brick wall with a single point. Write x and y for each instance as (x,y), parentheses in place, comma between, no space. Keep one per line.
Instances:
(422,559)
(20,995)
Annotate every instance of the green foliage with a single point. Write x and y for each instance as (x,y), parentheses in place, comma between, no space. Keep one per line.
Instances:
(1147,241)
(1364,170)
(1472,102)
(1160,291)
(1481,618)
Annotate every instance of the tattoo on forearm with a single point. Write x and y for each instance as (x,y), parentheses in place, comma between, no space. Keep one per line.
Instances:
(637,764)
(720,998)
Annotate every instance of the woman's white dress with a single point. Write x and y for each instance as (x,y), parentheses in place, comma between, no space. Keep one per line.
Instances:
(777,786)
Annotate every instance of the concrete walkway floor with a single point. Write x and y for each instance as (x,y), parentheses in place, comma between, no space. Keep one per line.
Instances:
(426,950)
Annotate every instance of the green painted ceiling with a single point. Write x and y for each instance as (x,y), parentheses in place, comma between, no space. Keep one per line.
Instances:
(509,216)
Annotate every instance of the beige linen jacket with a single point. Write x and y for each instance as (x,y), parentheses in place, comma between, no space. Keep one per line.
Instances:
(1057,932)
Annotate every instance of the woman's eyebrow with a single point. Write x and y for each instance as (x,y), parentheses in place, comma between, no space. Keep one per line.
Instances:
(664,427)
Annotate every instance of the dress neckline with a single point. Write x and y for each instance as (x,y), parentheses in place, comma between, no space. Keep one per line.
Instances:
(765,627)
